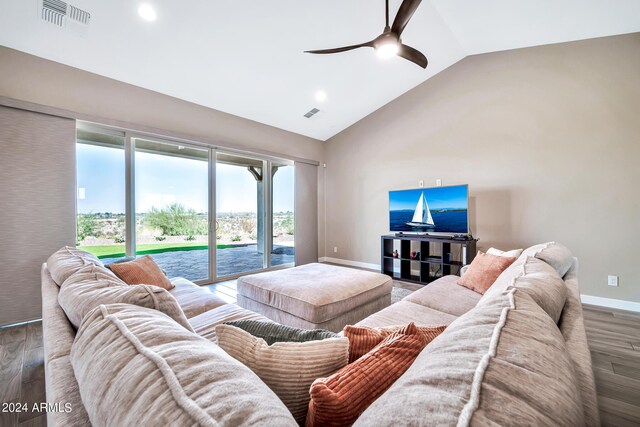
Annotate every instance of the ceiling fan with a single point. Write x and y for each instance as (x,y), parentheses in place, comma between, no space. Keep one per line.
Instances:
(389,43)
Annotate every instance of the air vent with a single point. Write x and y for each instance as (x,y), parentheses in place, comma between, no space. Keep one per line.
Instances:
(55,11)
(311,113)
(82,16)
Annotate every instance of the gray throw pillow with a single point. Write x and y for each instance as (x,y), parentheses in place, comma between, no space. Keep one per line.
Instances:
(273,332)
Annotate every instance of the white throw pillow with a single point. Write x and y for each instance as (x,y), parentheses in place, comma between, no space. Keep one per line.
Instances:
(514,253)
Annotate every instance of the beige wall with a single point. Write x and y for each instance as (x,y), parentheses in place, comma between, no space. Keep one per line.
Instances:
(29,78)
(548,138)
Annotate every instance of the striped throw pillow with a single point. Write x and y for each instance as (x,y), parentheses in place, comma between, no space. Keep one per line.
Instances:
(142,271)
(288,368)
(363,339)
(340,399)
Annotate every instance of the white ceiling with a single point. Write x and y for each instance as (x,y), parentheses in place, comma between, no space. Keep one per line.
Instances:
(245,57)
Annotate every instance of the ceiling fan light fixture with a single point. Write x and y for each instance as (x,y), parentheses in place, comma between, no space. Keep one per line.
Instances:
(388,49)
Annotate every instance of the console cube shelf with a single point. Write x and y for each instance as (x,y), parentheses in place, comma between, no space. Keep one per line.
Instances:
(423,259)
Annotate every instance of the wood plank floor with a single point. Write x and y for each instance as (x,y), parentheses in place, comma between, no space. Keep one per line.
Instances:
(614,341)
(22,373)
(613,335)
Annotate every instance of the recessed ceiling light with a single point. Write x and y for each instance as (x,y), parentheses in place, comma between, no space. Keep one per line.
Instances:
(147,12)
(321,96)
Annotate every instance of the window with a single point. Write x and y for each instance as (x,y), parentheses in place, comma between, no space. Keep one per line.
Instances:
(283,246)
(100,162)
(140,195)
(240,215)
(171,201)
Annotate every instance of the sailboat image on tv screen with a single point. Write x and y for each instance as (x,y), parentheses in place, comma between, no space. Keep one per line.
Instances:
(422,215)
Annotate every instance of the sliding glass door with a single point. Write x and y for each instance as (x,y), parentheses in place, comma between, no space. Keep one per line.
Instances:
(240,214)
(100,165)
(171,205)
(282,207)
(202,213)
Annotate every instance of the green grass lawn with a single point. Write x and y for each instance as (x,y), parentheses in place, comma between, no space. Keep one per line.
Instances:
(114,251)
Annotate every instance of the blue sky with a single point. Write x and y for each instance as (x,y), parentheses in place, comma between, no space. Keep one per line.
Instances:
(437,197)
(162,180)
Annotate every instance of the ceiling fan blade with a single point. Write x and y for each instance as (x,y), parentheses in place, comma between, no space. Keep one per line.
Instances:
(413,55)
(341,49)
(406,11)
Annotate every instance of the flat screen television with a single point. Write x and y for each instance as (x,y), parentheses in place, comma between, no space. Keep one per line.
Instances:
(437,210)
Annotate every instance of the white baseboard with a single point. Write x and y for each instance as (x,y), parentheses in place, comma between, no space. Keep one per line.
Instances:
(350,263)
(611,303)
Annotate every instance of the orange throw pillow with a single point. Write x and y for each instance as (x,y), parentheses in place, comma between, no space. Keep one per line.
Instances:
(142,271)
(340,399)
(363,339)
(483,271)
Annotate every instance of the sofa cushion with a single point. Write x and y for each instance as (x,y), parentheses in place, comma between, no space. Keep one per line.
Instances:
(93,285)
(446,295)
(363,339)
(555,254)
(194,299)
(288,368)
(501,363)
(137,367)
(571,326)
(542,283)
(483,271)
(537,279)
(66,261)
(404,312)
(205,324)
(341,398)
(273,332)
(143,270)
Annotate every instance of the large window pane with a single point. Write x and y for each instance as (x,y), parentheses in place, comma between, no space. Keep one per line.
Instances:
(172,215)
(100,165)
(239,214)
(283,249)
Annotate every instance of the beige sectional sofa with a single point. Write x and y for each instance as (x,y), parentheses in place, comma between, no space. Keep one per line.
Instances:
(515,356)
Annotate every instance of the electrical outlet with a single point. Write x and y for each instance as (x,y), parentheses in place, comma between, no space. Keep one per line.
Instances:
(438,182)
(335,249)
(421,183)
(612,281)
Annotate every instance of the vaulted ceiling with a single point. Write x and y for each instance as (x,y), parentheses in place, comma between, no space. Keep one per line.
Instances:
(245,57)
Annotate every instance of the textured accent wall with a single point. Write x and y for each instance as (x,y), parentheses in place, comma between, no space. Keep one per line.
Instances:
(37,204)
(547,138)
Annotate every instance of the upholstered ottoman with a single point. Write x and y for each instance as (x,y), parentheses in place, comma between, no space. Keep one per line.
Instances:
(315,295)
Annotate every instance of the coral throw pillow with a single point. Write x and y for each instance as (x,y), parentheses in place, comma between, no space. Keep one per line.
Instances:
(362,339)
(483,271)
(142,271)
(340,399)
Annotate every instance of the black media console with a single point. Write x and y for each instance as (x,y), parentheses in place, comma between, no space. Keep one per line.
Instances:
(423,259)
